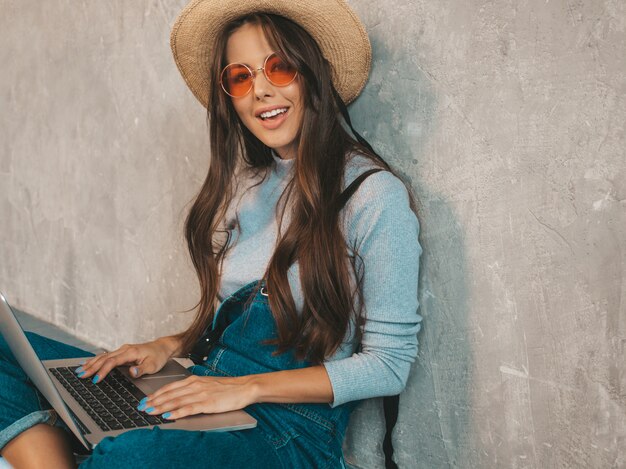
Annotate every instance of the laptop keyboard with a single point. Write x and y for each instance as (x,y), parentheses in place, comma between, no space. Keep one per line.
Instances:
(111,403)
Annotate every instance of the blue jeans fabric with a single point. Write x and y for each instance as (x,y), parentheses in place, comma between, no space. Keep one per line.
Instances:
(287,435)
(21,405)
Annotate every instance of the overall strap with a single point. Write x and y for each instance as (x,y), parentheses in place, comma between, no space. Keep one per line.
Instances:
(390,403)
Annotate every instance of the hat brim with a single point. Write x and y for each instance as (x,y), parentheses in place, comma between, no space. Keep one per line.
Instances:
(335,27)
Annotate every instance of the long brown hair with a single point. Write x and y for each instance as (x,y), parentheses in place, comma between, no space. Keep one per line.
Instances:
(313,237)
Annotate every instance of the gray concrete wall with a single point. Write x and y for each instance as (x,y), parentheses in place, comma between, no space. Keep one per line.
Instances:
(507,117)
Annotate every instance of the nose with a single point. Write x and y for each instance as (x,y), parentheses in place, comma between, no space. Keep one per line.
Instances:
(262,87)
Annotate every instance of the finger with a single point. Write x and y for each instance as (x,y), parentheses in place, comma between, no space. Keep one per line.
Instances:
(182,405)
(110,361)
(95,362)
(162,399)
(184,387)
(130,355)
(147,366)
(87,368)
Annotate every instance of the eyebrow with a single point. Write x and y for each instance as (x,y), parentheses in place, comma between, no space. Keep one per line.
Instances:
(250,66)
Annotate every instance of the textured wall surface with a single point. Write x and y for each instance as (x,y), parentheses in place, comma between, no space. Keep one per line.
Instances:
(508,118)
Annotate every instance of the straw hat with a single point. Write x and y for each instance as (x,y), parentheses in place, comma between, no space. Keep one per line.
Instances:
(335,27)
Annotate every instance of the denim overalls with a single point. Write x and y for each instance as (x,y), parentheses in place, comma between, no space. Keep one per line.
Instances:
(287,435)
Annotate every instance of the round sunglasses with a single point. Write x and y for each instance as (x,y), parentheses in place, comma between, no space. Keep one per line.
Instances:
(238,79)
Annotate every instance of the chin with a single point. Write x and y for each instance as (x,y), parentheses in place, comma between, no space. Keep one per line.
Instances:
(276,144)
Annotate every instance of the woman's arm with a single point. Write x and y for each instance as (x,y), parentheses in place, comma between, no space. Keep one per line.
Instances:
(211,394)
(173,345)
(381,227)
(291,386)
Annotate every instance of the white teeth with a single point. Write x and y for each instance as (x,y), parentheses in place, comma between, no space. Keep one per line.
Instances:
(273,113)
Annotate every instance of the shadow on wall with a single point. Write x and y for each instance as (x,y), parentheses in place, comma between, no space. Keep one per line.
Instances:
(396,114)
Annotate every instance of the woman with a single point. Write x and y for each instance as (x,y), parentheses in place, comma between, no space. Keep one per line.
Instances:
(318,287)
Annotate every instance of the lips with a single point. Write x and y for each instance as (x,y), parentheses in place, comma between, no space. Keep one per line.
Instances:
(272,117)
(269,109)
(274,113)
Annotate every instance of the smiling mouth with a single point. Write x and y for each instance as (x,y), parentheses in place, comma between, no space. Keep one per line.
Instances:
(270,115)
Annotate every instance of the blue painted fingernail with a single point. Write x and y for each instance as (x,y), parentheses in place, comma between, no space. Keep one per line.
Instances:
(78,370)
(166,415)
(149,409)
(144,400)
(81,374)
(141,406)
(95,379)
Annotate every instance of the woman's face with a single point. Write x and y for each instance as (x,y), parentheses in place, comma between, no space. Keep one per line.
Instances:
(248,45)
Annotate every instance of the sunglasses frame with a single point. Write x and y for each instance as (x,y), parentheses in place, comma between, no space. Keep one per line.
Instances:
(253,73)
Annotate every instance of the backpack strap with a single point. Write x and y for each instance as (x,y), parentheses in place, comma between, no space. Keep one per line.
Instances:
(390,406)
(354,185)
(390,403)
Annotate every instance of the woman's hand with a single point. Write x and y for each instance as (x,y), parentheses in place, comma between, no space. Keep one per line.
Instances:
(143,359)
(199,395)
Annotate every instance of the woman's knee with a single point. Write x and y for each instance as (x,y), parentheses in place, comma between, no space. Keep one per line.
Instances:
(135,448)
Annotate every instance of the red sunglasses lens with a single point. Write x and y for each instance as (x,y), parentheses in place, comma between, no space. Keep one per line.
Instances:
(236,80)
(278,71)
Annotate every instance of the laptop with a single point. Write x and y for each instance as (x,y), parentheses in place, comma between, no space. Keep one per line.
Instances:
(95,411)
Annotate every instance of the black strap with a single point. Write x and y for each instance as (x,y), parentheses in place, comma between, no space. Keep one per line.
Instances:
(200,351)
(354,185)
(390,406)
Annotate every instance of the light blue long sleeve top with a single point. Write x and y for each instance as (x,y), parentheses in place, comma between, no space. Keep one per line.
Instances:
(376,222)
